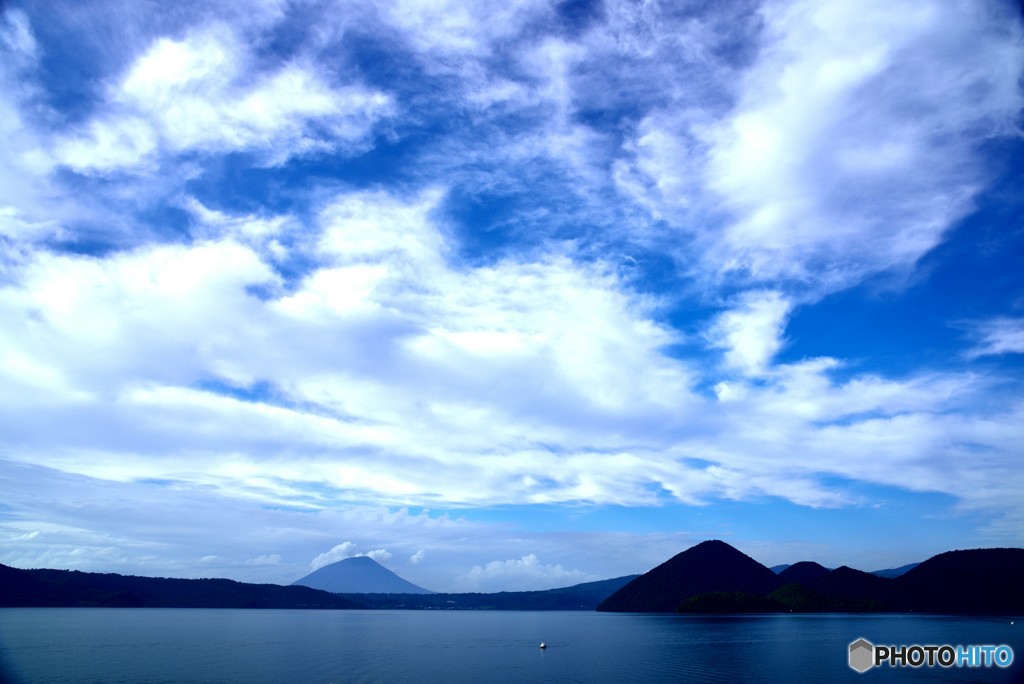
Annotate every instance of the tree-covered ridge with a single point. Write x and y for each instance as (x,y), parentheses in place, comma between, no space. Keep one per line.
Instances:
(72,588)
(68,588)
(713,577)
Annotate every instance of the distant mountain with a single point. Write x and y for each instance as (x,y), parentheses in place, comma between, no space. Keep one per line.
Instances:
(588,594)
(713,577)
(798,598)
(805,572)
(975,581)
(845,582)
(359,575)
(895,572)
(728,602)
(711,566)
(584,596)
(71,588)
(66,588)
(779,568)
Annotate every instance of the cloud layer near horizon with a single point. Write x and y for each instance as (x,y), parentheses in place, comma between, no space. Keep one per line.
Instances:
(546,259)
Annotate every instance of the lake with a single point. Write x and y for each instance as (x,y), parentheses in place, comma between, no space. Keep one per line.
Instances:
(200,645)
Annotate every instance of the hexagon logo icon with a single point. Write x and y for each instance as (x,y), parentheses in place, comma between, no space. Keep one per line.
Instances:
(862,655)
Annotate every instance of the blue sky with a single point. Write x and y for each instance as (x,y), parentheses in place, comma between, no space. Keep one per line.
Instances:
(508,295)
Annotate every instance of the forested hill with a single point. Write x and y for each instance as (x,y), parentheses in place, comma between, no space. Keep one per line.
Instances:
(80,589)
(708,566)
(713,577)
(72,588)
(584,596)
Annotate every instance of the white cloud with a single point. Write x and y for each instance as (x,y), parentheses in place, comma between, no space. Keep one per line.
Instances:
(845,141)
(751,332)
(200,94)
(521,574)
(386,349)
(998,336)
(375,227)
(261,232)
(392,375)
(379,555)
(666,172)
(106,145)
(788,435)
(203,60)
(16,35)
(340,552)
(28,536)
(134,317)
(28,205)
(853,145)
(418,557)
(447,34)
(348,550)
(265,559)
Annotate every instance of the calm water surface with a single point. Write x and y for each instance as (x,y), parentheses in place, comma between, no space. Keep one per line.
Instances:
(198,645)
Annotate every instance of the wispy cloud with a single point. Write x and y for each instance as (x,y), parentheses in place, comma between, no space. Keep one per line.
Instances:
(845,154)
(199,94)
(751,333)
(265,559)
(998,336)
(16,35)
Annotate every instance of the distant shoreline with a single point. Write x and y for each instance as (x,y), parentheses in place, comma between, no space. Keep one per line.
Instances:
(711,578)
